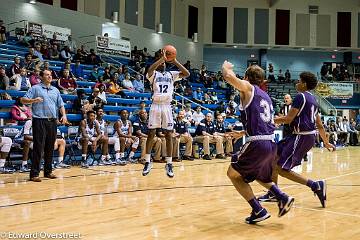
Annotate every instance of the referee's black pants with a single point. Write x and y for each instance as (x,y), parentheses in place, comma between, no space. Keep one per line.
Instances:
(44,136)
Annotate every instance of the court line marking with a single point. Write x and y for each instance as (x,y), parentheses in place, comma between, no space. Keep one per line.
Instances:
(327,211)
(153,189)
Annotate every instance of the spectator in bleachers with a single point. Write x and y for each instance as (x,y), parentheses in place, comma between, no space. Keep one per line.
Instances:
(205,135)
(187,65)
(141,130)
(91,136)
(188,92)
(287,76)
(79,56)
(20,112)
(102,93)
(77,70)
(271,77)
(55,41)
(94,75)
(65,54)
(178,87)
(127,84)
(35,77)
(19,81)
(214,98)
(281,78)
(221,108)
(43,40)
(81,104)
(67,84)
(71,44)
(182,135)
(287,130)
(145,54)
(230,111)
(95,100)
(188,114)
(198,96)
(46,66)
(198,116)
(4,79)
(342,131)
(67,66)
(5,146)
(220,130)
(114,87)
(121,74)
(203,70)
(45,51)
(353,134)
(324,71)
(207,99)
(30,63)
(106,76)
(332,129)
(83,51)
(54,52)
(138,84)
(15,68)
(37,52)
(27,40)
(92,58)
(2,32)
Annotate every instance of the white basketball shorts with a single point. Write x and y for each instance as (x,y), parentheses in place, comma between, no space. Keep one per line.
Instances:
(160,116)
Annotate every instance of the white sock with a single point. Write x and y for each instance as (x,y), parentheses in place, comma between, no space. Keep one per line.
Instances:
(108,157)
(122,155)
(2,163)
(83,156)
(60,159)
(147,157)
(23,163)
(168,159)
(117,155)
(131,154)
(103,157)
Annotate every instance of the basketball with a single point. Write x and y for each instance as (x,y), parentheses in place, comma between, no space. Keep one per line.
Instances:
(170,52)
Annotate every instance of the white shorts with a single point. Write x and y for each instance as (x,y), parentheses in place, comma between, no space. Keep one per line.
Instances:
(160,116)
(5,144)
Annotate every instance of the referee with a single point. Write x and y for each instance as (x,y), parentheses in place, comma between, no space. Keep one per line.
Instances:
(46,103)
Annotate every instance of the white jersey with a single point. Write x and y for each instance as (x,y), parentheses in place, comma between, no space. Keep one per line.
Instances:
(124,128)
(91,132)
(102,126)
(163,86)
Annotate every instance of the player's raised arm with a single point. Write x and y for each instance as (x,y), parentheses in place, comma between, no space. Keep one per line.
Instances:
(230,77)
(184,73)
(156,64)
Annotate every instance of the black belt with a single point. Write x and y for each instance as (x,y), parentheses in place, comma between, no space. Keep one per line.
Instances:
(46,119)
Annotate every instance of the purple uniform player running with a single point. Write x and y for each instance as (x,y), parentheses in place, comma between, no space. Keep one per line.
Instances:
(255,158)
(304,120)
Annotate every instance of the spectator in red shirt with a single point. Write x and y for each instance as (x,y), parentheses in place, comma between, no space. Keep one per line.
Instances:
(35,77)
(20,112)
(67,85)
(15,68)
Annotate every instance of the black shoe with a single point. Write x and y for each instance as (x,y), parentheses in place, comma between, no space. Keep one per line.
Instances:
(147,168)
(188,158)
(220,156)
(206,157)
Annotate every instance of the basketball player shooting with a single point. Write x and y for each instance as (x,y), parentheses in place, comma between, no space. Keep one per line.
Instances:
(160,115)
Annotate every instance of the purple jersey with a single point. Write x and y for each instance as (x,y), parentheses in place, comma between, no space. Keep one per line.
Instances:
(257,115)
(305,120)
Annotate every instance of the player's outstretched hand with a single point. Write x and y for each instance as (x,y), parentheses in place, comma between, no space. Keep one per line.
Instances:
(329,147)
(163,53)
(227,69)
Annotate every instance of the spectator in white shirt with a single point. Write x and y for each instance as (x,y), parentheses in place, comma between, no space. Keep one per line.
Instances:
(198,116)
(127,84)
(65,54)
(71,44)
(19,81)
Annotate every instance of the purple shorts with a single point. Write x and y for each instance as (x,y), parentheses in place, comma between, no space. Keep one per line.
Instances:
(292,149)
(254,161)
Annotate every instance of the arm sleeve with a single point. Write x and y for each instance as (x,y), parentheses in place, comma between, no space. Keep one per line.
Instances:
(30,94)
(298,101)
(60,102)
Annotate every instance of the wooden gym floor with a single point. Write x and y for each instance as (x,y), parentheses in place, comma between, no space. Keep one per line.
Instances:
(198,203)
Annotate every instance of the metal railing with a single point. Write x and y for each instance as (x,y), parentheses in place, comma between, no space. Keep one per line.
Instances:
(325,105)
(182,103)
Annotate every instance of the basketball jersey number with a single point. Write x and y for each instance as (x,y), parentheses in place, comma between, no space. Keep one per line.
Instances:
(266,115)
(163,88)
(313,113)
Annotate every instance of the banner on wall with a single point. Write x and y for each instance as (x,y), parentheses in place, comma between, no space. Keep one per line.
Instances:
(38,30)
(335,90)
(113,46)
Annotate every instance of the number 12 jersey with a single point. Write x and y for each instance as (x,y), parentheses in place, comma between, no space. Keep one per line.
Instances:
(163,86)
